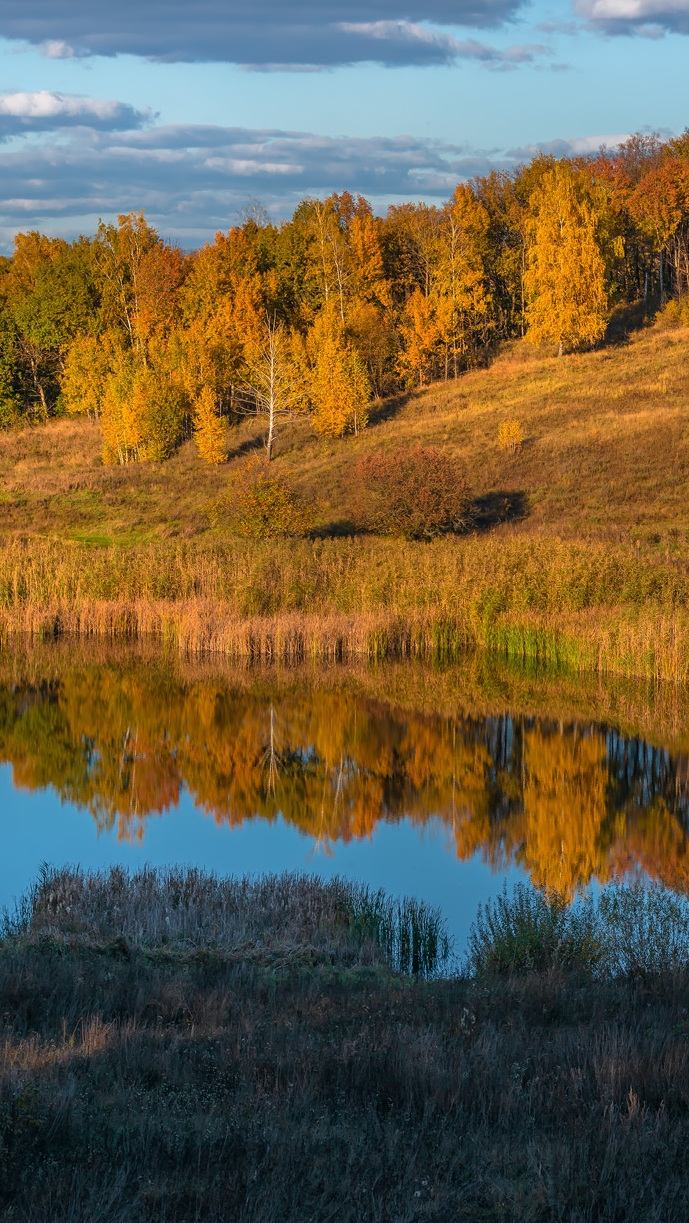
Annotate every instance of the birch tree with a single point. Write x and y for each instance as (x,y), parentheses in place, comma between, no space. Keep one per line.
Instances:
(274,385)
(565,276)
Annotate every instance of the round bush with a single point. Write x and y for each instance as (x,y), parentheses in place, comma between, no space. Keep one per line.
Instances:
(415,492)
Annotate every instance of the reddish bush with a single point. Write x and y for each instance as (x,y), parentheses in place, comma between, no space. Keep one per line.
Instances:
(416,492)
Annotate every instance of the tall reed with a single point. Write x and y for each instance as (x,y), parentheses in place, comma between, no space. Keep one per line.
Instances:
(582,606)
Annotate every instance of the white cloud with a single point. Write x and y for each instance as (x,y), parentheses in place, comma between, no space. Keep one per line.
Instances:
(46,110)
(57,48)
(642,16)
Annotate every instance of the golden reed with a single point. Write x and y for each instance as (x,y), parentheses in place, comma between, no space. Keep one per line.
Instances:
(581,606)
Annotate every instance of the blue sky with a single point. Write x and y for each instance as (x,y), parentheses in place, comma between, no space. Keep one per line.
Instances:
(192,111)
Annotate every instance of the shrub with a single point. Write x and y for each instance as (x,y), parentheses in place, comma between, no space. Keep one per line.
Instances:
(647,930)
(637,930)
(532,931)
(674,314)
(510,436)
(417,493)
(262,504)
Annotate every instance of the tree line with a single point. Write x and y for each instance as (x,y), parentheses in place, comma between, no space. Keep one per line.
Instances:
(321,313)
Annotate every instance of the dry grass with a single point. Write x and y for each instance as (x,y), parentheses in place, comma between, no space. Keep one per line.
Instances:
(143,1086)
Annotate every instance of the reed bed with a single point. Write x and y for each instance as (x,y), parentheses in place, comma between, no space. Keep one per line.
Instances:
(287,916)
(584,607)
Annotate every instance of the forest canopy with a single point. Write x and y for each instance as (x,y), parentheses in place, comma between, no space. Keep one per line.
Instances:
(321,313)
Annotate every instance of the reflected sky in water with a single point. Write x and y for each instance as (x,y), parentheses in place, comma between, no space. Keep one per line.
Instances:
(115,761)
(401,858)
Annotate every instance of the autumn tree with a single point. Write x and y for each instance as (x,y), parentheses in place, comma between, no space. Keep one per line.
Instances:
(565,277)
(339,388)
(421,336)
(50,298)
(459,287)
(273,385)
(208,430)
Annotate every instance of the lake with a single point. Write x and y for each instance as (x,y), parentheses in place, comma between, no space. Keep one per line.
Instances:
(441,784)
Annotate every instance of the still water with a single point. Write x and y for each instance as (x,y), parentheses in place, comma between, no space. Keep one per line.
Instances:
(435,784)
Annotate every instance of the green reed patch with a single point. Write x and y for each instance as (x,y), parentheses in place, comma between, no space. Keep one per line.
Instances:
(635,930)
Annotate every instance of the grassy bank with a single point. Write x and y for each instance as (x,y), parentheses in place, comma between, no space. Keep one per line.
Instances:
(578,554)
(256,1058)
(580,605)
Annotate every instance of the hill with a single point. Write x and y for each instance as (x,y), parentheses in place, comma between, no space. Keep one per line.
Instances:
(580,533)
(605,455)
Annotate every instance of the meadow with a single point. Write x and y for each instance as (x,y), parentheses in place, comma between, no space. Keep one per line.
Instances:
(182,1047)
(576,553)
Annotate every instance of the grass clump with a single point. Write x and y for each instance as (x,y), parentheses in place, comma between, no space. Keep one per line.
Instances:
(627,930)
(286,916)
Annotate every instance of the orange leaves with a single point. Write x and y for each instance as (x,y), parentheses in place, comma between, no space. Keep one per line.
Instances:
(209,434)
(421,335)
(660,202)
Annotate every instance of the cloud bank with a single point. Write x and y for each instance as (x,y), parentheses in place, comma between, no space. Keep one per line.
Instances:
(97,158)
(262,34)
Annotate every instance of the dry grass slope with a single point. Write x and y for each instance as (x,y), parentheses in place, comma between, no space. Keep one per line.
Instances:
(579,552)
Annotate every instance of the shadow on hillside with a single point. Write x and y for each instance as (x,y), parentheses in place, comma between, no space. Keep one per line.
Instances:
(383,410)
(629,317)
(497,507)
(249,446)
(339,528)
(485,512)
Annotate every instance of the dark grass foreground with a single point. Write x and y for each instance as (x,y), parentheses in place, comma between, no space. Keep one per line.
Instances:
(174,1048)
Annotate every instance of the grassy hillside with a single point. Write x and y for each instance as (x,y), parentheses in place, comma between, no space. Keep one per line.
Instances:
(578,550)
(606,455)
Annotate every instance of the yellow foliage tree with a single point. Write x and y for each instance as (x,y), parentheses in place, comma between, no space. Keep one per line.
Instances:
(565,276)
(208,429)
(460,281)
(339,387)
(141,412)
(82,382)
(421,338)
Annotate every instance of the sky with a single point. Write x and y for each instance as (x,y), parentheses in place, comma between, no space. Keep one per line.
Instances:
(194,112)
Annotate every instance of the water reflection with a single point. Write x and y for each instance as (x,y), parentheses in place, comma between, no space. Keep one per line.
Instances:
(566,800)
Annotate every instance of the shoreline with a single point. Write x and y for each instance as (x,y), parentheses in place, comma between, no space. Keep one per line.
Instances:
(577,605)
